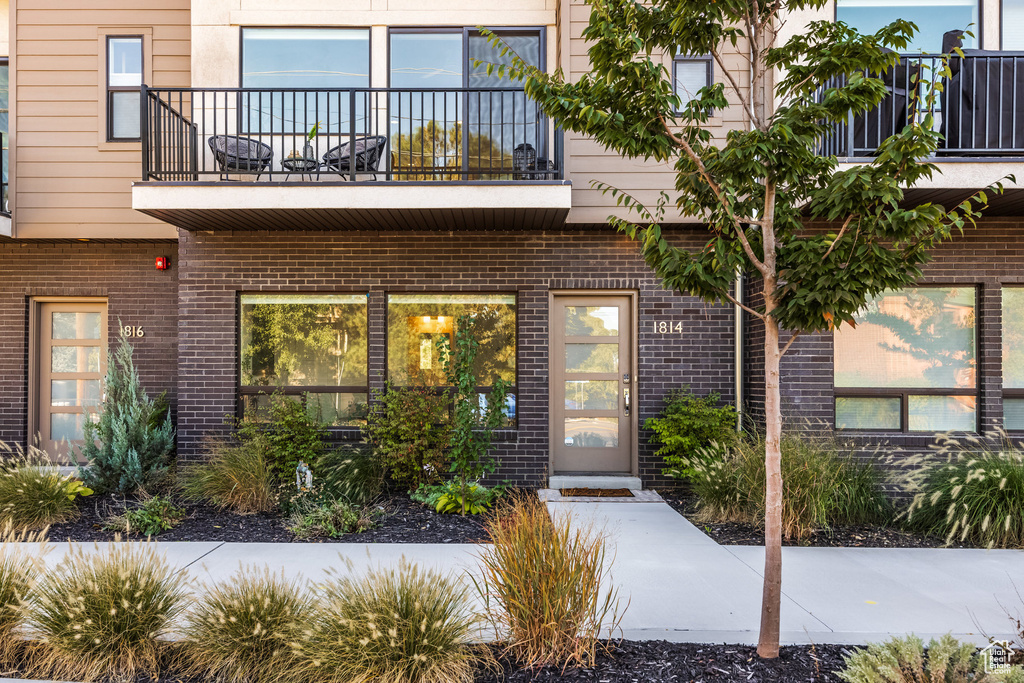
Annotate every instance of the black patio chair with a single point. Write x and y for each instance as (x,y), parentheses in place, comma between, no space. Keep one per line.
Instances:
(237,154)
(527,165)
(367,152)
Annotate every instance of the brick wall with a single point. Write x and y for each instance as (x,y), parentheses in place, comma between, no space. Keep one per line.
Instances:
(136,293)
(986,258)
(215,267)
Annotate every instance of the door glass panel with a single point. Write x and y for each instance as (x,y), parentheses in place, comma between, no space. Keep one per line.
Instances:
(66,426)
(74,392)
(592,432)
(592,321)
(66,325)
(591,357)
(942,413)
(75,359)
(592,394)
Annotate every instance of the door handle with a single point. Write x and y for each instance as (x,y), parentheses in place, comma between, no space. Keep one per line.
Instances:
(625,395)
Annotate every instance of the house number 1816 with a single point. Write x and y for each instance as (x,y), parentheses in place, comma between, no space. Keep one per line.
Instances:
(133,331)
(666,327)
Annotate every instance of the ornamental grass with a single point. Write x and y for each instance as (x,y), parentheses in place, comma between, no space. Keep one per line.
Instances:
(18,573)
(823,485)
(33,492)
(244,630)
(899,660)
(545,585)
(236,477)
(101,614)
(974,493)
(402,624)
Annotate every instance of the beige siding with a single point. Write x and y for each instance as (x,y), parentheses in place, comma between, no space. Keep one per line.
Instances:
(70,182)
(588,161)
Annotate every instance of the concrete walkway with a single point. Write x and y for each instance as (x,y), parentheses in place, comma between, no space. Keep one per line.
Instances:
(682,586)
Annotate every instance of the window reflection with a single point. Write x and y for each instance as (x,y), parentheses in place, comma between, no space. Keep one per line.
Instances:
(299,340)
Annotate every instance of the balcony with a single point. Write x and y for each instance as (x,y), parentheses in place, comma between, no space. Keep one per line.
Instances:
(979,112)
(255,159)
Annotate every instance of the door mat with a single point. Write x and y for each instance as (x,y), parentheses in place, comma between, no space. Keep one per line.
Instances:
(596,493)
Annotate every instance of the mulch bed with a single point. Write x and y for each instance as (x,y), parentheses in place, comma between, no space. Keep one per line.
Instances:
(839,536)
(402,521)
(658,661)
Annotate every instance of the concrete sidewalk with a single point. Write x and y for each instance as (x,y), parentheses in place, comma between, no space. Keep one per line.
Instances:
(684,587)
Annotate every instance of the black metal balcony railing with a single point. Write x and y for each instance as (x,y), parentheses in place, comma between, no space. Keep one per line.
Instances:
(979,112)
(191,134)
(5,205)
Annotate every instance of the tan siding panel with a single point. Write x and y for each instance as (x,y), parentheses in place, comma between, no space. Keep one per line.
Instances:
(69,182)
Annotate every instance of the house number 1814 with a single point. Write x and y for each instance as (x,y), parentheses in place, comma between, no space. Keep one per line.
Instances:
(666,327)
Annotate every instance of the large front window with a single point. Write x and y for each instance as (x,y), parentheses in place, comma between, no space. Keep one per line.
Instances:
(910,363)
(314,60)
(310,346)
(1013,358)
(932,17)
(416,322)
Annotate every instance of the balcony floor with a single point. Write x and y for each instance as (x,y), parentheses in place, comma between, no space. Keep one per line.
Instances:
(360,205)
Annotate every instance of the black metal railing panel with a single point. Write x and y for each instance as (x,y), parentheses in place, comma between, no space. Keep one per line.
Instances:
(979,109)
(388,134)
(5,201)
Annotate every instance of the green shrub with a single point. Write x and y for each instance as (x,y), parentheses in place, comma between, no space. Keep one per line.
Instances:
(394,625)
(328,518)
(904,659)
(18,572)
(132,455)
(472,425)
(148,518)
(449,496)
(101,614)
(243,630)
(234,477)
(33,496)
(688,424)
(350,473)
(405,427)
(545,587)
(821,486)
(293,435)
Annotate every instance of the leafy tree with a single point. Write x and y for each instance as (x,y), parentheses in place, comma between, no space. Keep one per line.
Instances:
(757,189)
(125,450)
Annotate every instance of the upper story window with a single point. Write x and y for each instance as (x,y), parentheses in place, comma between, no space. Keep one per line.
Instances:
(932,17)
(124,76)
(316,60)
(910,363)
(486,133)
(1013,25)
(445,58)
(689,75)
(1013,358)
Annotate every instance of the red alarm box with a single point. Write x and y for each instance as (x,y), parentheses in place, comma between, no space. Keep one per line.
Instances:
(161,263)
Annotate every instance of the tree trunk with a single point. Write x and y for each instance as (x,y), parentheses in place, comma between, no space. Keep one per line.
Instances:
(771,600)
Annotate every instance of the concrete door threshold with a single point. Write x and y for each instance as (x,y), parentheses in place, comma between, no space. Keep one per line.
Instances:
(594,481)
